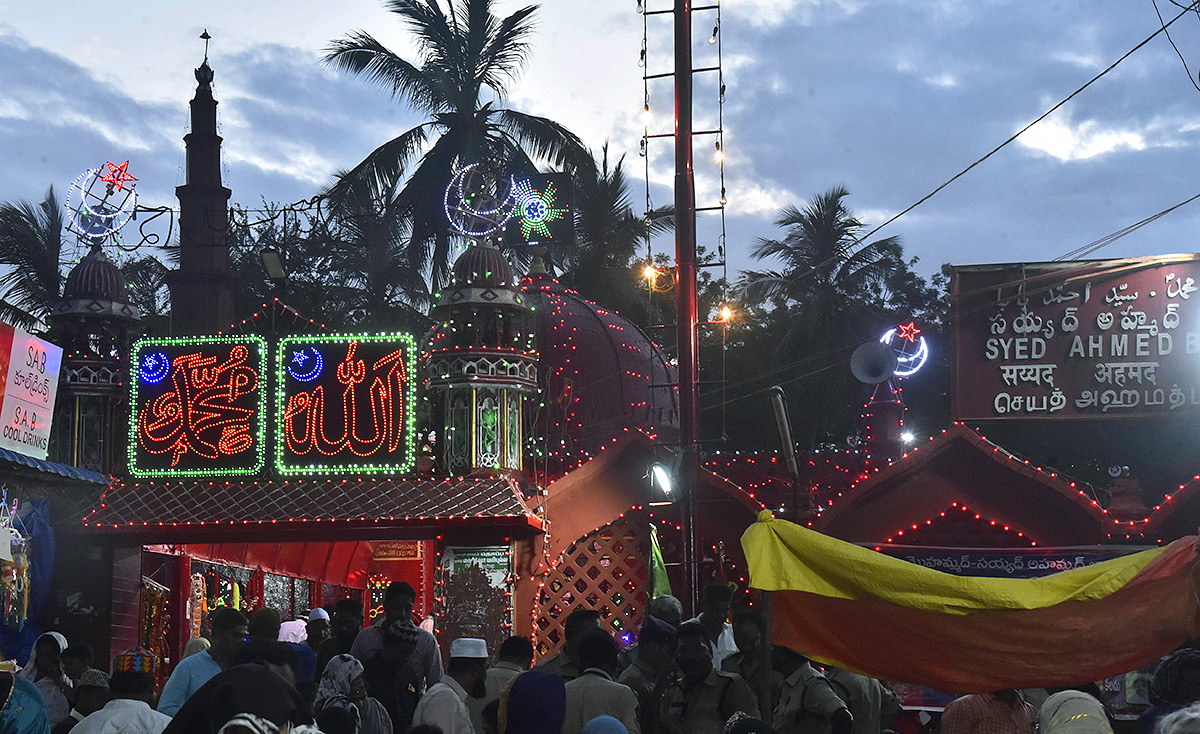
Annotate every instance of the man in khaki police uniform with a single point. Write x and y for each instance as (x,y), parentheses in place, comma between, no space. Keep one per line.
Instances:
(807,702)
(698,698)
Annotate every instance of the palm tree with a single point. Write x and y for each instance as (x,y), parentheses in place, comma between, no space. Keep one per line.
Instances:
(828,296)
(467,57)
(605,264)
(829,277)
(607,231)
(30,246)
(380,287)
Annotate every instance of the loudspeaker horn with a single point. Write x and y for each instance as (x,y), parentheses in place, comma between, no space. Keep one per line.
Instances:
(873,362)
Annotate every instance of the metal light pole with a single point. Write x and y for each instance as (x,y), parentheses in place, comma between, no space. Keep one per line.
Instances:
(685,294)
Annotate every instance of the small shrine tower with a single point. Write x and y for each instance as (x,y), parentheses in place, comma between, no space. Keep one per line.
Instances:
(95,324)
(480,365)
(202,287)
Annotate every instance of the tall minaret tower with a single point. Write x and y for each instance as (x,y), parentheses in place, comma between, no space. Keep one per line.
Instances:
(202,288)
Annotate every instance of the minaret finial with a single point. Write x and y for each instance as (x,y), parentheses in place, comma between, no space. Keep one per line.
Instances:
(204,73)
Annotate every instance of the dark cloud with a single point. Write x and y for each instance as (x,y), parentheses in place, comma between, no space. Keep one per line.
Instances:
(57,120)
(890,98)
(895,99)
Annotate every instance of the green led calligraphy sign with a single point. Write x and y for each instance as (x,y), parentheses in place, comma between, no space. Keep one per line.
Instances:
(542,211)
(346,402)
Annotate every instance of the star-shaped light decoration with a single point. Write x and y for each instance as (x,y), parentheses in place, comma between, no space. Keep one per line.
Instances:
(117,176)
(299,358)
(537,209)
(908,331)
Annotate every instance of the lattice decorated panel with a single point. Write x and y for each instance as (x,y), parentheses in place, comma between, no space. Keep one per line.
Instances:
(606,570)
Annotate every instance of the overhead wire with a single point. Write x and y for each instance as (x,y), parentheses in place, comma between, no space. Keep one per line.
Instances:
(1082,251)
(860,240)
(1172,41)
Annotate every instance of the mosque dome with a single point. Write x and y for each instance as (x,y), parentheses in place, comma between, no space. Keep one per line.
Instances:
(95,287)
(482,266)
(599,375)
(95,276)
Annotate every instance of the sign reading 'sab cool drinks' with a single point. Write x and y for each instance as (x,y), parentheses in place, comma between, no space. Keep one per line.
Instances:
(29,368)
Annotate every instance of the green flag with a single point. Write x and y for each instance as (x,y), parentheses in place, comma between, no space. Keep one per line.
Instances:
(660,584)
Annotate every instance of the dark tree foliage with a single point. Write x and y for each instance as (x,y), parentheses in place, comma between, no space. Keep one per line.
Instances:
(833,293)
(31,249)
(344,270)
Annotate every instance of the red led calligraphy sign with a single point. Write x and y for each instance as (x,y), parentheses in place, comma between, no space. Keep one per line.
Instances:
(345,402)
(199,407)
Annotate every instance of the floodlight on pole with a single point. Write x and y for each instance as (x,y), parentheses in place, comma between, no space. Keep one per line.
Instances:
(272,263)
(662,479)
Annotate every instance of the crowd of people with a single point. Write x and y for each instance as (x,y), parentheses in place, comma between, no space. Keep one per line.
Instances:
(707,675)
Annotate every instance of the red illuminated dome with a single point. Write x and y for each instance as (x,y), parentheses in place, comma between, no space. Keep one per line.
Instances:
(599,375)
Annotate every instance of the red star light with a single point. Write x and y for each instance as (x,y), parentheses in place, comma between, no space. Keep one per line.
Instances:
(118,176)
(909,331)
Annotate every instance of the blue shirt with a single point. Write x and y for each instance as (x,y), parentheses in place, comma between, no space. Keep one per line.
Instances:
(306,661)
(191,673)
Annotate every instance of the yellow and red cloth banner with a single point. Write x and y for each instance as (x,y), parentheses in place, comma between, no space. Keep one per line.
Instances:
(848,606)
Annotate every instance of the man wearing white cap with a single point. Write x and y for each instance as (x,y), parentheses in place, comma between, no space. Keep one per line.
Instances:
(444,704)
(317,629)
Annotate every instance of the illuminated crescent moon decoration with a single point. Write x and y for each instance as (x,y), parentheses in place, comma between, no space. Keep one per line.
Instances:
(101,201)
(309,364)
(911,350)
(154,368)
(478,203)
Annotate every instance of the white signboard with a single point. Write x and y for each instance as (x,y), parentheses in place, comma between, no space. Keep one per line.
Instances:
(30,369)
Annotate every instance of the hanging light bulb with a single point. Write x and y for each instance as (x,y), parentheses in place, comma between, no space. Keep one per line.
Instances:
(723,199)
(726,313)
(646,113)
(719,156)
(716,29)
(642,152)
(721,97)
(642,59)
(640,8)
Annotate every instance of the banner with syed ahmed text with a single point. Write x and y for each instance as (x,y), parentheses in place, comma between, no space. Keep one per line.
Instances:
(29,368)
(861,610)
(1081,339)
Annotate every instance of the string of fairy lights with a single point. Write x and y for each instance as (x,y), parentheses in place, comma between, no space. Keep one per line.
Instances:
(653,276)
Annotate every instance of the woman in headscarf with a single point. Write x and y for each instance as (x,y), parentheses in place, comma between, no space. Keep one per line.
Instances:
(343,686)
(605,724)
(1073,712)
(195,645)
(45,670)
(251,724)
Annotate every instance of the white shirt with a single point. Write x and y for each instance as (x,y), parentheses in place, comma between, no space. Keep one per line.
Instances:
(443,706)
(123,716)
(725,645)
